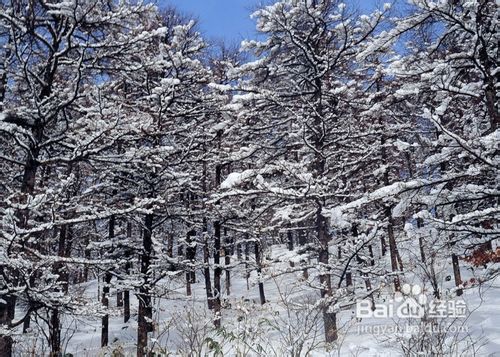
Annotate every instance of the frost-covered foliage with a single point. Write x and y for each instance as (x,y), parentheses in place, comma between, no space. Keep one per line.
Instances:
(338,157)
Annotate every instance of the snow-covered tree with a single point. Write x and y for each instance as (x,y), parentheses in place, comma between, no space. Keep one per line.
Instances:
(60,65)
(301,134)
(448,84)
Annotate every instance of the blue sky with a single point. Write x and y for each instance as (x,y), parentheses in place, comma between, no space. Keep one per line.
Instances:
(230,19)
(221,19)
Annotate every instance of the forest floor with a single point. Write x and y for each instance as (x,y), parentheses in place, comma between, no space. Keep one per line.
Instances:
(289,322)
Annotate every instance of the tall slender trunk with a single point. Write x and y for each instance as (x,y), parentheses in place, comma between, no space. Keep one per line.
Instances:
(119,298)
(239,251)
(5,317)
(55,321)
(393,248)
(258,261)
(289,236)
(329,318)
(105,304)
(302,241)
(105,290)
(421,243)
(348,277)
(456,273)
(145,309)
(227,261)
(3,72)
(170,250)
(247,259)
(189,257)
(217,275)
(370,253)
(434,280)
(128,266)
(119,293)
(206,269)
(55,333)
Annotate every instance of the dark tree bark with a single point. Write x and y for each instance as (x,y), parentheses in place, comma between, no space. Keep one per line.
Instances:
(290,245)
(5,317)
(144,296)
(258,261)
(55,323)
(348,278)
(105,304)
(247,258)
(421,240)
(105,290)
(393,248)
(329,318)
(239,251)
(119,298)
(289,236)
(63,250)
(191,255)
(128,266)
(370,252)
(217,274)
(55,333)
(227,261)
(456,273)
(206,269)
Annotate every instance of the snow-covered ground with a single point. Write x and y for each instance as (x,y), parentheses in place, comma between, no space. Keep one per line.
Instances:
(290,321)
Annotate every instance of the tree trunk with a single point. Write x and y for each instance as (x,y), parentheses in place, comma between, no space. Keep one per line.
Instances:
(190,277)
(227,261)
(55,333)
(63,250)
(105,304)
(329,318)
(302,241)
(247,258)
(27,318)
(289,236)
(239,251)
(119,299)
(421,242)
(5,317)
(434,281)
(258,260)
(383,245)
(145,310)
(348,278)
(105,290)
(191,255)
(370,252)
(456,273)
(128,266)
(206,269)
(217,275)
(392,248)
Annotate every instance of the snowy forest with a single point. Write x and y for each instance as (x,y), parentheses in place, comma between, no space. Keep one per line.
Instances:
(330,187)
